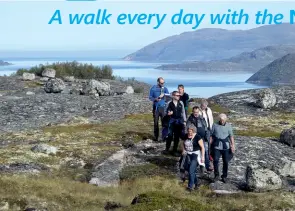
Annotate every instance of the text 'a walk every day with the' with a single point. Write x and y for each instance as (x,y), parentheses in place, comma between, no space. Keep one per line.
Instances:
(155,20)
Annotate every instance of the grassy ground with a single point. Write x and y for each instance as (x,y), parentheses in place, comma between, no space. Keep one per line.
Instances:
(62,189)
(158,193)
(266,126)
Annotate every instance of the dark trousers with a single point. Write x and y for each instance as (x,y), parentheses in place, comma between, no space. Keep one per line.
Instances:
(207,161)
(157,114)
(175,130)
(192,179)
(225,160)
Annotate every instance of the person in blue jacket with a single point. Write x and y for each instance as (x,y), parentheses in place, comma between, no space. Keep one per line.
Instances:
(157,93)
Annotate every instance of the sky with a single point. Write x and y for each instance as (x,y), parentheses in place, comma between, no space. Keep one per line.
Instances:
(24,24)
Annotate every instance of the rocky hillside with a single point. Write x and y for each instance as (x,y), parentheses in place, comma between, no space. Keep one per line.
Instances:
(71,144)
(30,102)
(214,44)
(244,62)
(280,71)
(2,63)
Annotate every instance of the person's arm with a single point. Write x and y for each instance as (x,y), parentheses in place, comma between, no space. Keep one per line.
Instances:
(167,107)
(232,140)
(183,112)
(211,119)
(211,134)
(201,144)
(182,147)
(166,91)
(151,95)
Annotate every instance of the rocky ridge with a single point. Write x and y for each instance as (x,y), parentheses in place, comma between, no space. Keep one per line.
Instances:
(24,103)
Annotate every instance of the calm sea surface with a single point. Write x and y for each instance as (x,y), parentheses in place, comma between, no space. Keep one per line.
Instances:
(196,84)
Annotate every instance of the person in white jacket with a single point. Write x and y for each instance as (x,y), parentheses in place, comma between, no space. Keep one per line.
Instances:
(207,114)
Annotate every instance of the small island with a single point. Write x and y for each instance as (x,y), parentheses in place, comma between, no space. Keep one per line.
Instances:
(3,63)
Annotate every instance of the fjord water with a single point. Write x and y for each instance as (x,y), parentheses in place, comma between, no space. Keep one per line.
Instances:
(196,84)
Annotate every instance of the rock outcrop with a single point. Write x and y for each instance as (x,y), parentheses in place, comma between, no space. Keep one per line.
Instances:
(129,90)
(28,76)
(44,148)
(244,102)
(94,87)
(288,136)
(265,99)
(19,111)
(288,169)
(69,78)
(54,85)
(49,73)
(260,179)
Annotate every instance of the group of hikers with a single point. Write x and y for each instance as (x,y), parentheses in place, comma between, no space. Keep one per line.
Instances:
(203,141)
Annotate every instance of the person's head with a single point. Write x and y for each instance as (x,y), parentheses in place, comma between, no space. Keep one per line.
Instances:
(204,104)
(175,95)
(196,111)
(180,89)
(222,118)
(191,130)
(161,81)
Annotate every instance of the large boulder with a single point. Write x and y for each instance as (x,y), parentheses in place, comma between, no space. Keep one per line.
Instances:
(28,76)
(54,85)
(288,136)
(69,78)
(94,87)
(44,148)
(265,99)
(261,179)
(129,90)
(288,169)
(44,79)
(49,73)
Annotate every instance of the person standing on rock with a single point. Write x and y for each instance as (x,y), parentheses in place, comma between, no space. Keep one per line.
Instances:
(184,97)
(197,120)
(175,109)
(193,149)
(223,144)
(157,93)
(207,114)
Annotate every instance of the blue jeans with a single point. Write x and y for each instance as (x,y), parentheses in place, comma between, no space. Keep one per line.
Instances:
(207,161)
(192,179)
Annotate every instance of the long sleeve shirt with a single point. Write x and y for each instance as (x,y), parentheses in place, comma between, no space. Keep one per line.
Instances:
(155,92)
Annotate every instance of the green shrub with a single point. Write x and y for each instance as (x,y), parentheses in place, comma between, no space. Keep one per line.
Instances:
(78,70)
(138,90)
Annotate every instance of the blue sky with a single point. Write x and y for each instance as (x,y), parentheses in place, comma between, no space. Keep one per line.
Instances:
(24,25)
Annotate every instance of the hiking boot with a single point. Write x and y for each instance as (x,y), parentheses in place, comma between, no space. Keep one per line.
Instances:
(189,189)
(224,180)
(197,187)
(155,139)
(165,152)
(216,178)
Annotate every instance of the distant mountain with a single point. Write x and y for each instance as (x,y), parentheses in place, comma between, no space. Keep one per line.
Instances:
(2,63)
(280,71)
(214,44)
(244,62)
